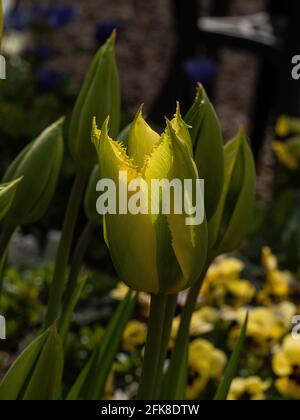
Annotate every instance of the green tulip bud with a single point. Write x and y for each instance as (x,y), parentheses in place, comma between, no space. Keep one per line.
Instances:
(91,197)
(232,221)
(99,97)
(7,195)
(207,142)
(152,252)
(39,164)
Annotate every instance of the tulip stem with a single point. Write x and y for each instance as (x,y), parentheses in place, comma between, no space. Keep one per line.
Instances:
(75,267)
(77,259)
(64,248)
(168,321)
(183,333)
(5,237)
(153,354)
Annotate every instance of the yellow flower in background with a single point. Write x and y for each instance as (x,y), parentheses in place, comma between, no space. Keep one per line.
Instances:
(223,269)
(134,335)
(284,313)
(203,321)
(245,389)
(264,330)
(282,126)
(288,153)
(223,283)
(269,261)
(286,365)
(206,362)
(287,125)
(120,292)
(109,387)
(278,283)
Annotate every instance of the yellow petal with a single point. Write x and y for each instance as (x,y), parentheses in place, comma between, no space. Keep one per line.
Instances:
(141,140)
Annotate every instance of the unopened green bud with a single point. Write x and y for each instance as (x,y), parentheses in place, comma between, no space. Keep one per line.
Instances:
(91,197)
(7,195)
(39,165)
(99,98)
(207,142)
(232,221)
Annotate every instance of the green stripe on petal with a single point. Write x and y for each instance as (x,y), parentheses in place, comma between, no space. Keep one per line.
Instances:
(159,167)
(189,241)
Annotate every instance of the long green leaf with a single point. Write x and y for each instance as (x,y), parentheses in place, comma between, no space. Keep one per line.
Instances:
(232,366)
(15,379)
(69,309)
(3,263)
(91,382)
(46,379)
(37,372)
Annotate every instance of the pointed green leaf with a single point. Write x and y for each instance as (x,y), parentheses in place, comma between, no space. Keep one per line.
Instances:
(232,366)
(68,310)
(14,381)
(231,222)
(91,382)
(46,378)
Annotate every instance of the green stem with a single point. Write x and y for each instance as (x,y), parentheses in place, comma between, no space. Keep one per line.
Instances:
(3,263)
(174,372)
(64,249)
(153,354)
(77,259)
(5,237)
(168,321)
(190,304)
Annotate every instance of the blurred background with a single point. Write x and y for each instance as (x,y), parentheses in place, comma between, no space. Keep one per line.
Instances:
(241,51)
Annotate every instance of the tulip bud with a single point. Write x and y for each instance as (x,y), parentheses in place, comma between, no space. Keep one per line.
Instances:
(91,197)
(232,220)
(208,148)
(7,195)
(155,253)
(39,165)
(99,97)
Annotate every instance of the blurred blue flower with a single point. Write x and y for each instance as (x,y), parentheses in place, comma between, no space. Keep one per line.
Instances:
(203,70)
(58,16)
(18,20)
(55,16)
(104,29)
(43,52)
(48,79)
